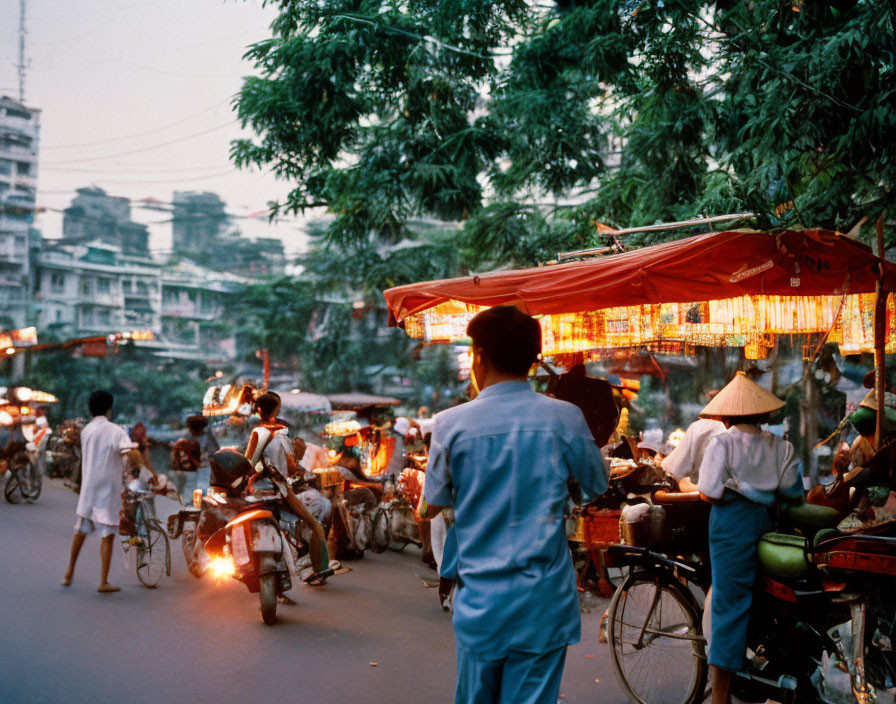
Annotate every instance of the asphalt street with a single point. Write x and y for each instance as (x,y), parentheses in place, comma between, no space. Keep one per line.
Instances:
(374,634)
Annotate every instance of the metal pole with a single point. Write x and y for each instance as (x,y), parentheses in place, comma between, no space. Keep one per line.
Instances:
(654,228)
(880,337)
(22,65)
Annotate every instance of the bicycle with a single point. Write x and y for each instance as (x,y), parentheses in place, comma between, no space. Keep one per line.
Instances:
(655,617)
(23,479)
(148,537)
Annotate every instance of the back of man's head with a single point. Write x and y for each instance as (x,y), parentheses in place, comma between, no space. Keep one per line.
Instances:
(100,403)
(510,339)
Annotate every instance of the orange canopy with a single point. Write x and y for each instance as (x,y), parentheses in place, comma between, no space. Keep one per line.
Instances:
(707,267)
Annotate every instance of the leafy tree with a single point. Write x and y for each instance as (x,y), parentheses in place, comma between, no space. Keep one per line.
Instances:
(528,122)
(145,389)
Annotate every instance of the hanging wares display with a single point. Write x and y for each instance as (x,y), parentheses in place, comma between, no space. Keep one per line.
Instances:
(751,322)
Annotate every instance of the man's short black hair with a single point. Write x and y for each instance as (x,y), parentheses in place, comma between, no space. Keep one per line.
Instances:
(267,404)
(100,403)
(510,339)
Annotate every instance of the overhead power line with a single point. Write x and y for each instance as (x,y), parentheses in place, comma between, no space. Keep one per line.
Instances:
(135,135)
(144,149)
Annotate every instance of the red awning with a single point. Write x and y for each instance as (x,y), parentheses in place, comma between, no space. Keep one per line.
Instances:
(702,268)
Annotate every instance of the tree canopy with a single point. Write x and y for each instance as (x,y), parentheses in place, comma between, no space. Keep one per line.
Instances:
(530,122)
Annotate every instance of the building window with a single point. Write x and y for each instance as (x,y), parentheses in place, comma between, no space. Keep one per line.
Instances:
(6,167)
(85,287)
(58,315)
(23,168)
(57,282)
(102,317)
(103,286)
(126,285)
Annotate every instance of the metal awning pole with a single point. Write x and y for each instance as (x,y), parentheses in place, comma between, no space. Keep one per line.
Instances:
(880,338)
(653,228)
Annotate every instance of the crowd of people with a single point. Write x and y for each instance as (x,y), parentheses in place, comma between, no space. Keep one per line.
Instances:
(490,502)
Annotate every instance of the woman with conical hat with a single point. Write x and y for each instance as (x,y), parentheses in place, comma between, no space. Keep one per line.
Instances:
(743,471)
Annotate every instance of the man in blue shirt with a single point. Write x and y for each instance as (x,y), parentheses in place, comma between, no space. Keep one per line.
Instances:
(503,462)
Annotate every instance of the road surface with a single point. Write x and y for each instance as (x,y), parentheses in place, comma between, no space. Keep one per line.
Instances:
(374,634)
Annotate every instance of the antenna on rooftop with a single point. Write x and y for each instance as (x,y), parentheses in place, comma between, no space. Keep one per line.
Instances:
(22,65)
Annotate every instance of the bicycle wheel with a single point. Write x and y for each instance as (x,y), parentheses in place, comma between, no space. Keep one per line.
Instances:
(31,482)
(12,492)
(153,556)
(382,534)
(656,641)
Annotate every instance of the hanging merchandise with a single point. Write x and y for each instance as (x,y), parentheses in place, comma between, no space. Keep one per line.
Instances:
(729,289)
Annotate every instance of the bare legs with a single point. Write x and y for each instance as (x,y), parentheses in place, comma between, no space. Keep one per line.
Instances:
(721,685)
(77,542)
(105,561)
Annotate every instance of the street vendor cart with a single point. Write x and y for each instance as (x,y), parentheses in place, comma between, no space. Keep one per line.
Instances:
(725,289)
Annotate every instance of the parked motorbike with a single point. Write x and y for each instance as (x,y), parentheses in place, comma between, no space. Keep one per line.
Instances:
(395,524)
(821,630)
(63,454)
(23,480)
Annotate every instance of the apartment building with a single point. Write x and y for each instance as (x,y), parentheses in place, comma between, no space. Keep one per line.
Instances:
(19,143)
(96,289)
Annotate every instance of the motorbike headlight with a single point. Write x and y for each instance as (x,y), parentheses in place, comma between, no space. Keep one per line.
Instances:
(222,566)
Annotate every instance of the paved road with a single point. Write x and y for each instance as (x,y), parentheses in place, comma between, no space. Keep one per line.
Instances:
(203,641)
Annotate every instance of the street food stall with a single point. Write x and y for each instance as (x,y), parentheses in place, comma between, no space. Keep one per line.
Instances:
(724,289)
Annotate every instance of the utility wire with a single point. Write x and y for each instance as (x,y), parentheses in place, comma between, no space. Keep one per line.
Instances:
(161,71)
(131,169)
(145,149)
(137,134)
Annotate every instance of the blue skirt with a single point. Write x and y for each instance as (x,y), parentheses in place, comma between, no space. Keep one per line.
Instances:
(735,527)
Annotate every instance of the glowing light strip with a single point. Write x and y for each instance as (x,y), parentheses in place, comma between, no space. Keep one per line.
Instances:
(750,322)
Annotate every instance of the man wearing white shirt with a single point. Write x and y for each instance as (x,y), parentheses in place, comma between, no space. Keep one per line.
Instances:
(103,446)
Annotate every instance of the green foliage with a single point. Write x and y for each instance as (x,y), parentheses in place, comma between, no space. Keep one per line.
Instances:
(145,388)
(633,111)
(519,126)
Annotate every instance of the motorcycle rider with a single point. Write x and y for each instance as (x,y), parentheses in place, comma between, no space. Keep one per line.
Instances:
(270,440)
(743,472)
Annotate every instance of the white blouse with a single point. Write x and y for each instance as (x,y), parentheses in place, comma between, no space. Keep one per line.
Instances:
(756,465)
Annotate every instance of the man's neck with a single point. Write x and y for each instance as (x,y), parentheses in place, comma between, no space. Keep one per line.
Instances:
(496,377)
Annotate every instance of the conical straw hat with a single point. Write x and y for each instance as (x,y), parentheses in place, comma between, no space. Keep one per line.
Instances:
(741,397)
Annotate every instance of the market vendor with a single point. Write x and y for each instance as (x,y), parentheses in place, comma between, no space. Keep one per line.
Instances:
(742,473)
(683,462)
(864,420)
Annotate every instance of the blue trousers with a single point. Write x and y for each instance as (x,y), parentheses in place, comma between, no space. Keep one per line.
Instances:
(734,531)
(517,678)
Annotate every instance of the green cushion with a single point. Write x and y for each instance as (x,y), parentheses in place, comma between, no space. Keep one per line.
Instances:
(811,515)
(783,556)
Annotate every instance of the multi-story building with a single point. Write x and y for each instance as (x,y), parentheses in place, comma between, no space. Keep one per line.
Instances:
(199,222)
(95,216)
(19,142)
(202,231)
(96,289)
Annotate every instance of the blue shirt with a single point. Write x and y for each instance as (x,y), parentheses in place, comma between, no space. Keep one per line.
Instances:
(503,462)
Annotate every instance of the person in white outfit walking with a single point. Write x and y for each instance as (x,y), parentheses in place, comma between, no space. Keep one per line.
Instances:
(103,446)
